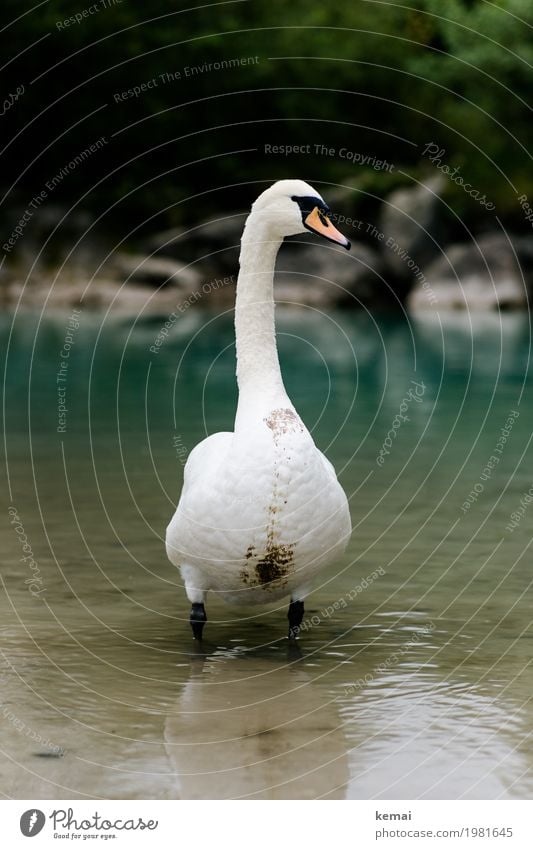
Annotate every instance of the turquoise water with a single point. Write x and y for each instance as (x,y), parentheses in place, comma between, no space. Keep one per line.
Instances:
(413,678)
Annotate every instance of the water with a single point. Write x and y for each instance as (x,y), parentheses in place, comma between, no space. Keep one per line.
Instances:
(413,678)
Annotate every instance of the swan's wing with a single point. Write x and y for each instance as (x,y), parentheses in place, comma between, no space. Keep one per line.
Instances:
(329,466)
(206,456)
(201,464)
(330,469)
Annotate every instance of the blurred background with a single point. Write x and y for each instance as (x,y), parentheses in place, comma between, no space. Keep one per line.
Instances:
(191,113)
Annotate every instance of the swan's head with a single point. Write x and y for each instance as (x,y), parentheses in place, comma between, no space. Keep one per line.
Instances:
(291,207)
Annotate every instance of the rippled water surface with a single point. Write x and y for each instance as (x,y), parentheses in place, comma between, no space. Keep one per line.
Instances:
(413,678)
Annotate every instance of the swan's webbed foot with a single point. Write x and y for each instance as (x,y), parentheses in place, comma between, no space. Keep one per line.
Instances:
(295,616)
(198,618)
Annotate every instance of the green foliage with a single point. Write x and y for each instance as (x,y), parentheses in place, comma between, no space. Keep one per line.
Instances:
(488,66)
(383,79)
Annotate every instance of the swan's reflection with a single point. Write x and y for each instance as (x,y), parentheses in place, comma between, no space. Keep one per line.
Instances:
(256,728)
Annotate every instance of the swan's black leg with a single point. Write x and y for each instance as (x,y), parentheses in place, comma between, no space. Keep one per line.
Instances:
(198,619)
(295,616)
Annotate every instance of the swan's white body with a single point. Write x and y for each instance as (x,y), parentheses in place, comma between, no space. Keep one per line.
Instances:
(261,511)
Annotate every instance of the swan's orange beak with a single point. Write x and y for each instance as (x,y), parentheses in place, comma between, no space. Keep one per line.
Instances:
(320,223)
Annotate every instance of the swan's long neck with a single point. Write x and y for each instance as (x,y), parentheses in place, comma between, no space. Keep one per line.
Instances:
(258,372)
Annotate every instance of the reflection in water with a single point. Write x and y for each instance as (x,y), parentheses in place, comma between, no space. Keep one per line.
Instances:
(417,684)
(248,727)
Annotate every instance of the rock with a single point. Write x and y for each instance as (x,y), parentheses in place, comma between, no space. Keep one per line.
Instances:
(215,245)
(310,272)
(55,232)
(97,294)
(322,274)
(155,271)
(487,275)
(523,245)
(412,221)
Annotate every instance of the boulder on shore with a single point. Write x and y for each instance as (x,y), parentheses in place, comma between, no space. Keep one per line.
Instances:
(492,273)
(308,270)
(155,271)
(322,274)
(412,224)
(214,245)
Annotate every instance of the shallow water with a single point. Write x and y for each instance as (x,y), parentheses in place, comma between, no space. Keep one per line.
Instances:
(413,678)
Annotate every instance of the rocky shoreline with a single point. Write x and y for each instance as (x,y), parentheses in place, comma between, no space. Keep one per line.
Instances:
(405,256)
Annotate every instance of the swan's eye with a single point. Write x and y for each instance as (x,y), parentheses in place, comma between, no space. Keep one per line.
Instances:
(309,203)
(315,217)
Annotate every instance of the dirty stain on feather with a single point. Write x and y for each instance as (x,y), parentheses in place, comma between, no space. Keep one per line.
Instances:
(273,567)
(283,420)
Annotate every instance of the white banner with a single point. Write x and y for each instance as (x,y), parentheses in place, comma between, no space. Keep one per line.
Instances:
(243,825)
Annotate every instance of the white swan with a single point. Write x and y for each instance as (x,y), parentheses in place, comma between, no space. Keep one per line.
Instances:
(261,510)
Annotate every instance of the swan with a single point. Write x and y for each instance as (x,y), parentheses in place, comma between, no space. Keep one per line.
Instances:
(261,510)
